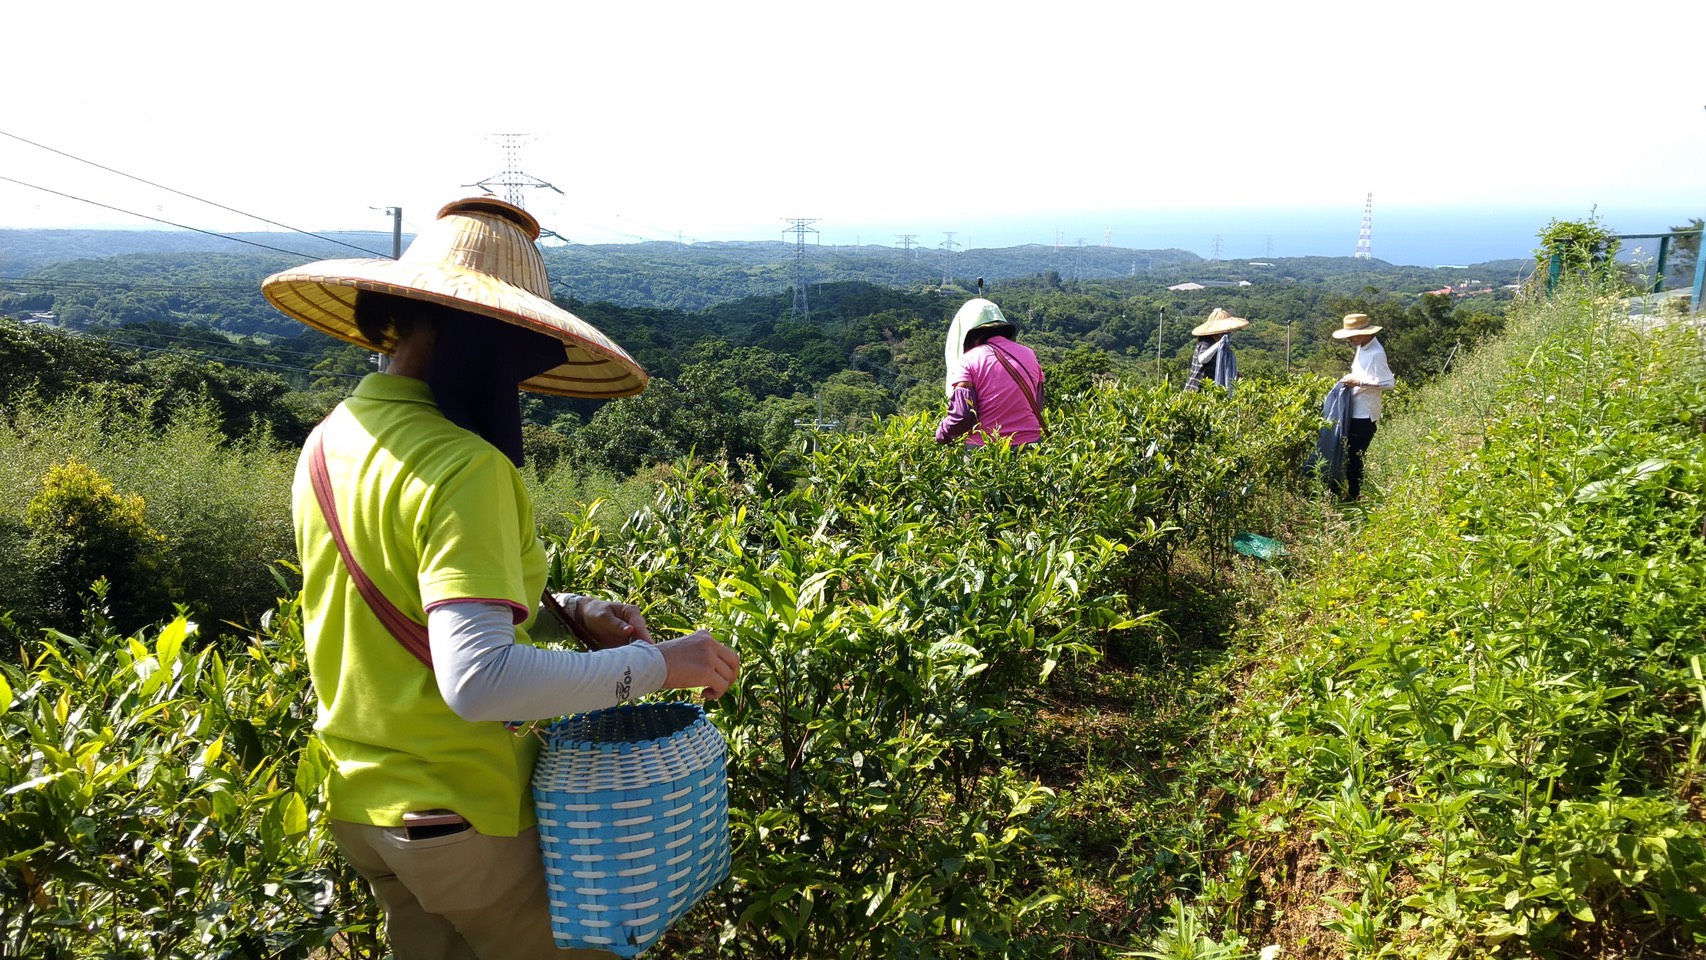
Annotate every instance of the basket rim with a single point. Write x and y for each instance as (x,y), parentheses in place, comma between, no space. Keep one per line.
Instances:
(556,734)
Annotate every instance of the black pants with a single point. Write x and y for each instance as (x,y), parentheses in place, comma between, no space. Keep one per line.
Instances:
(1359,433)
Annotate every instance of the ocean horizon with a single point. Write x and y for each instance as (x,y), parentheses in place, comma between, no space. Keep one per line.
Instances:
(1414,236)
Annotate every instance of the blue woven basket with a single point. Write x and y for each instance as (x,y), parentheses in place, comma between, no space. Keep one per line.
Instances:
(633,806)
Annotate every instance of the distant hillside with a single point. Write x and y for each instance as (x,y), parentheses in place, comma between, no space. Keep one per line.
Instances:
(53,269)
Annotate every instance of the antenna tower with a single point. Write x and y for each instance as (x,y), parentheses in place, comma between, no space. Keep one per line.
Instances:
(948,246)
(1365,242)
(801,227)
(512,179)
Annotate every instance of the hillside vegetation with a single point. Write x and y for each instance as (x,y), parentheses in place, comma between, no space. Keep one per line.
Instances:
(1476,727)
(1030,704)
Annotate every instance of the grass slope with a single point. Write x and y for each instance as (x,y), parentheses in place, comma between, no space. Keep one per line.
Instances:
(1475,727)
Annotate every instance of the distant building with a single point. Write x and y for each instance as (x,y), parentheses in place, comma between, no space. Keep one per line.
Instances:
(1211,283)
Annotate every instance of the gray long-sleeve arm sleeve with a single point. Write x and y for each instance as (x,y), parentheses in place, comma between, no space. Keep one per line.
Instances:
(483,674)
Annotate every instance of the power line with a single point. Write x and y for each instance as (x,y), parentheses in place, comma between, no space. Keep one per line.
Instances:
(180,193)
(168,223)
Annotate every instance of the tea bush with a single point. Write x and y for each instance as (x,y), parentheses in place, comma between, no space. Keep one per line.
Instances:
(161,802)
(900,611)
(1483,716)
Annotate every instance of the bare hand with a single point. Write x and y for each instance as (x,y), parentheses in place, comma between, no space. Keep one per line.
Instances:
(612,624)
(699,660)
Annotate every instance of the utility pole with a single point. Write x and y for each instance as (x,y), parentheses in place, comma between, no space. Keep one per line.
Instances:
(1160,324)
(382,362)
(396,215)
(819,423)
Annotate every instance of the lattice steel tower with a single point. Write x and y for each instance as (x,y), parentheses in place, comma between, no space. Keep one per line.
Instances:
(801,227)
(948,246)
(512,180)
(1365,242)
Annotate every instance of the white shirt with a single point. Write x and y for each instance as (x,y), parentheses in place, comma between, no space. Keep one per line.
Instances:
(1369,378)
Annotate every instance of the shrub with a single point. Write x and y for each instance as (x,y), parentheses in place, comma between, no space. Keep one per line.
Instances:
(221,507)
(82,531)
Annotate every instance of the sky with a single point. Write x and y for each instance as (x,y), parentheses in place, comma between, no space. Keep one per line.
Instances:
(1258,127)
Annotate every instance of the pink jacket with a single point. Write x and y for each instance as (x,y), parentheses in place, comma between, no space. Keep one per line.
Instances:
(997,405)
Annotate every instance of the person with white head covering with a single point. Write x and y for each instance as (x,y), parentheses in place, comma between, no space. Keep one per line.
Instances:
(994,385)
(1368,379)
(1212,358)
(423,579)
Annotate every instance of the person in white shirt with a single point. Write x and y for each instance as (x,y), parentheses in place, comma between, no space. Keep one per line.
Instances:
(1369,378)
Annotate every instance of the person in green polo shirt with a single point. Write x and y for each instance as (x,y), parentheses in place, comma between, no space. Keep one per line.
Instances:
(423,577)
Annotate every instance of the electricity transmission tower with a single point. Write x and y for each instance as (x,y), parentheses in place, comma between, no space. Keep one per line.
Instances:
(948,246)
(512,179)
(1365,242)
(906,243)
(801,227)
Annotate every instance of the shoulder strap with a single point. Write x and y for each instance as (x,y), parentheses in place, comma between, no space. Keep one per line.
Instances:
(412,635)
(1012,368)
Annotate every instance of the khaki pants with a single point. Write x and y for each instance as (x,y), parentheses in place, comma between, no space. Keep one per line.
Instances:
(465,896)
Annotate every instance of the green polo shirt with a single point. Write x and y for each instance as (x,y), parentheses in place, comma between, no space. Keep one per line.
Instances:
(433,513)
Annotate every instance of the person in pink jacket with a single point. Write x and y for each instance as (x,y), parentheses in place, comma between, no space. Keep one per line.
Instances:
(995,385)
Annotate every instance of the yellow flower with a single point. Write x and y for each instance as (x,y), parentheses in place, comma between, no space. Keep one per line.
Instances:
(1418,616)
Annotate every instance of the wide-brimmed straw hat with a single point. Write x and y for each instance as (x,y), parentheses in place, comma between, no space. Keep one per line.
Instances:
(1356,324)
(1219,322)
(478,256)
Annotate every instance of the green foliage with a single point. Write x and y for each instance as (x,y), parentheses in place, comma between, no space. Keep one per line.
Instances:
(39,363)
(219,512)
(1585,248)
(79,531)
(1485,715)
(163,803)
(900,612)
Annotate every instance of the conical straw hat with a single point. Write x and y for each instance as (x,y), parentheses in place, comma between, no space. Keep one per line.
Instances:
(478,256)
(1219,322)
